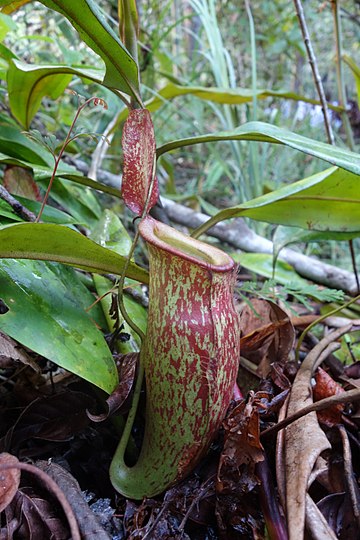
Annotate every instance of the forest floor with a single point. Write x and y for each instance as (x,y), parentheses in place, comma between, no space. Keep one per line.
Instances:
(259,479)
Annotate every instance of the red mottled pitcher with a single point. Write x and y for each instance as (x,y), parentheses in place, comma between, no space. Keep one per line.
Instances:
(190,354)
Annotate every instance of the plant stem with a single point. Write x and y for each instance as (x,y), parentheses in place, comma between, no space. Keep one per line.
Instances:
(125,437)
(314,69)
(317,321)
(62,150)
(122,307)
(254,168)
(339,74)
(353,260)
(129,30)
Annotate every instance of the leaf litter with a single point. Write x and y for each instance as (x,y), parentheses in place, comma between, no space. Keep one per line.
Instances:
(273,471)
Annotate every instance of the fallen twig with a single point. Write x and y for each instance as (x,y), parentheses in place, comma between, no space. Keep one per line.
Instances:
(345,397)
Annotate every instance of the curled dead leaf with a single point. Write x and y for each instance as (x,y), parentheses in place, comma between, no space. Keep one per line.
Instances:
(11,352)
(267,335)
(325,387)
(20,181)
(119,398)
(242,449)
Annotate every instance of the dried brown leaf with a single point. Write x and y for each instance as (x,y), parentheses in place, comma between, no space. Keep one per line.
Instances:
(9,480)
(35,517)
(304,439)
(338,512)
(237,508)
(118,401)
(11,352)
(242,450)
(20,181)
(325,387)
(267,335)
(53,418)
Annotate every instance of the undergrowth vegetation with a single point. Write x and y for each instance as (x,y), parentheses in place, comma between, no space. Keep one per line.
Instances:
(239,122)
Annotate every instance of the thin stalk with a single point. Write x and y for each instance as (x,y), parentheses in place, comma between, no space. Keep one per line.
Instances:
(342,100)
(253,147)
(124,441)
(224,76)
(339,74)
(314,69)
(319,320)
(129,26)
(129,31)
(253,58)
(57,158)
(353,260)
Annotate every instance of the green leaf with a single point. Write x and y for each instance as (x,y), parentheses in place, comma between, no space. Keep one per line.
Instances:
(356,72)
(111,233)
(328,201)
(262,132)
(50,214)
(49,242)
(284,236)
(86,17)
(64,170)
(12,5)
(226,96)
(6,24)
(7,211)
(14,144)
(78,201)
(47,305)
(28,84)
(6,53)
(78,178)
(262,264)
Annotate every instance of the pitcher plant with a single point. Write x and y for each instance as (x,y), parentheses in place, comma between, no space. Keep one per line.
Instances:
(190,356)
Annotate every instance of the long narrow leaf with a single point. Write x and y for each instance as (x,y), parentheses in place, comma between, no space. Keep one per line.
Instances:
(226,96)
(28,84)
(49,242)
(47,313)
(327,201)
(355,68)
(86,18)
(262,132)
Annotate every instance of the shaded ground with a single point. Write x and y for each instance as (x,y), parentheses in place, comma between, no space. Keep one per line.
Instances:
(248,485)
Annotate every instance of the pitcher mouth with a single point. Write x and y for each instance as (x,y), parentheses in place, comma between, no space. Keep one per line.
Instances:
(172,241)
